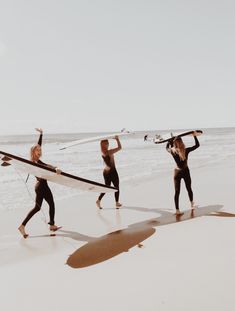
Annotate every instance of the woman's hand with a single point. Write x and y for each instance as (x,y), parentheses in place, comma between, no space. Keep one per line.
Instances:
(58,171)
(194,133)
(39,130)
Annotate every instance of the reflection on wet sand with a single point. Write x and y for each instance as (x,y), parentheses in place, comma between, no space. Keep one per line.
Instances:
(100,249)
(108,246)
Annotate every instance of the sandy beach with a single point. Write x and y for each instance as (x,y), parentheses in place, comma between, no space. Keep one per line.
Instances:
(149,72)
(141,257)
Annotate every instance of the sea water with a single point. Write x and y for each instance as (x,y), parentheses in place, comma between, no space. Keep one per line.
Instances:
(138,160)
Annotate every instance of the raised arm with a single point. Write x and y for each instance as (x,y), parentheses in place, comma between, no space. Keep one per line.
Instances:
(119,146)
(197,144)
(169,145)
(40,137)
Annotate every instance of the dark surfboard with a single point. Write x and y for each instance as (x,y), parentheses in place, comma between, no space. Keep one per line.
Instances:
(165,140)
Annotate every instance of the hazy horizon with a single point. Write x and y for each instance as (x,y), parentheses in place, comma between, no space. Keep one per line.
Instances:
(104,132)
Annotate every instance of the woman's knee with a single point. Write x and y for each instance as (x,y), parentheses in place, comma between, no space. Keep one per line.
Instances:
(37,208)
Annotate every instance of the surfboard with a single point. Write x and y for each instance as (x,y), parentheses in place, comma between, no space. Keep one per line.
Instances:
(94,138)
(50,174)
(163,139)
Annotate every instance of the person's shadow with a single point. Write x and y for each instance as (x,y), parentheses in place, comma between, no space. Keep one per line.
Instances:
(97,250)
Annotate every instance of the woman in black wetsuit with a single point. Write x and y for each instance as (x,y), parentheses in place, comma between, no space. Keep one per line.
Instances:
(42,190)
(180,154)
(110,173)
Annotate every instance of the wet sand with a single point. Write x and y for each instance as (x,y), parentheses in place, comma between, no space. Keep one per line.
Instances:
(140,257)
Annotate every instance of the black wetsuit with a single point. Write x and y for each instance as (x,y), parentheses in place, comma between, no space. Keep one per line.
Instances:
(42,192)
(182,171)
(110,176)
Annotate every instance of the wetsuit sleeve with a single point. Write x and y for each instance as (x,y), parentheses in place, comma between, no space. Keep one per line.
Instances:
(40,140)
(169,145)
(47,165)
(197,144)
(119,147)
(42,163)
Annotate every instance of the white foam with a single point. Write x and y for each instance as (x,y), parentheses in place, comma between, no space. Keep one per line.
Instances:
(137,160)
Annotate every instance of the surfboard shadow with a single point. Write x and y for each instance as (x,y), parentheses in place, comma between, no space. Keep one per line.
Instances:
(65,234)
(75,236)
(222,214)
(108,246)
(167,218)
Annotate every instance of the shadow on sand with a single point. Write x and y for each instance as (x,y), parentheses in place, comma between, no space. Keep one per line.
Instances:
(101,249)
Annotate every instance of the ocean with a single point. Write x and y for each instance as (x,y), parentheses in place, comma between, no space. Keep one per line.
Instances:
(138,160)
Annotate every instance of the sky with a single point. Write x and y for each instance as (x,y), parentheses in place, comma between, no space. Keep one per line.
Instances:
(89,65)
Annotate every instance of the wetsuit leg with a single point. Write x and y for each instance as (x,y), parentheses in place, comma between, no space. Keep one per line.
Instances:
(115,181)
(37,207)
(187,180)
(49,198)
(177,180)
(107,180)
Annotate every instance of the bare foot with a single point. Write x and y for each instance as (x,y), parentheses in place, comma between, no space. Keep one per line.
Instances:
(118,205)
(178,213)
(193,205)
(22,231)
(54,228)
(98,204)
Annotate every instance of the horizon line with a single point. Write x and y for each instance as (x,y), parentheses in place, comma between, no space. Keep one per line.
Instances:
(109,131)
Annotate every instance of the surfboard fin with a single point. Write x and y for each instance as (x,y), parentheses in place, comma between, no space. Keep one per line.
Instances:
(27,178)
(158,137)
(5,164)
(6,159)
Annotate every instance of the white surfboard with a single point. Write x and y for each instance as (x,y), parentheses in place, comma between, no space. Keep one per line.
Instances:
(47,173)
(94,138)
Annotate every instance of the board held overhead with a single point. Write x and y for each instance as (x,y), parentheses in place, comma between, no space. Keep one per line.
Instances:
(164,139)
(95,138)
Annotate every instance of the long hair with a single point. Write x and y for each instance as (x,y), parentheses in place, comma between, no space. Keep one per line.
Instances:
(179,148)
(103,146)
(32,153)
